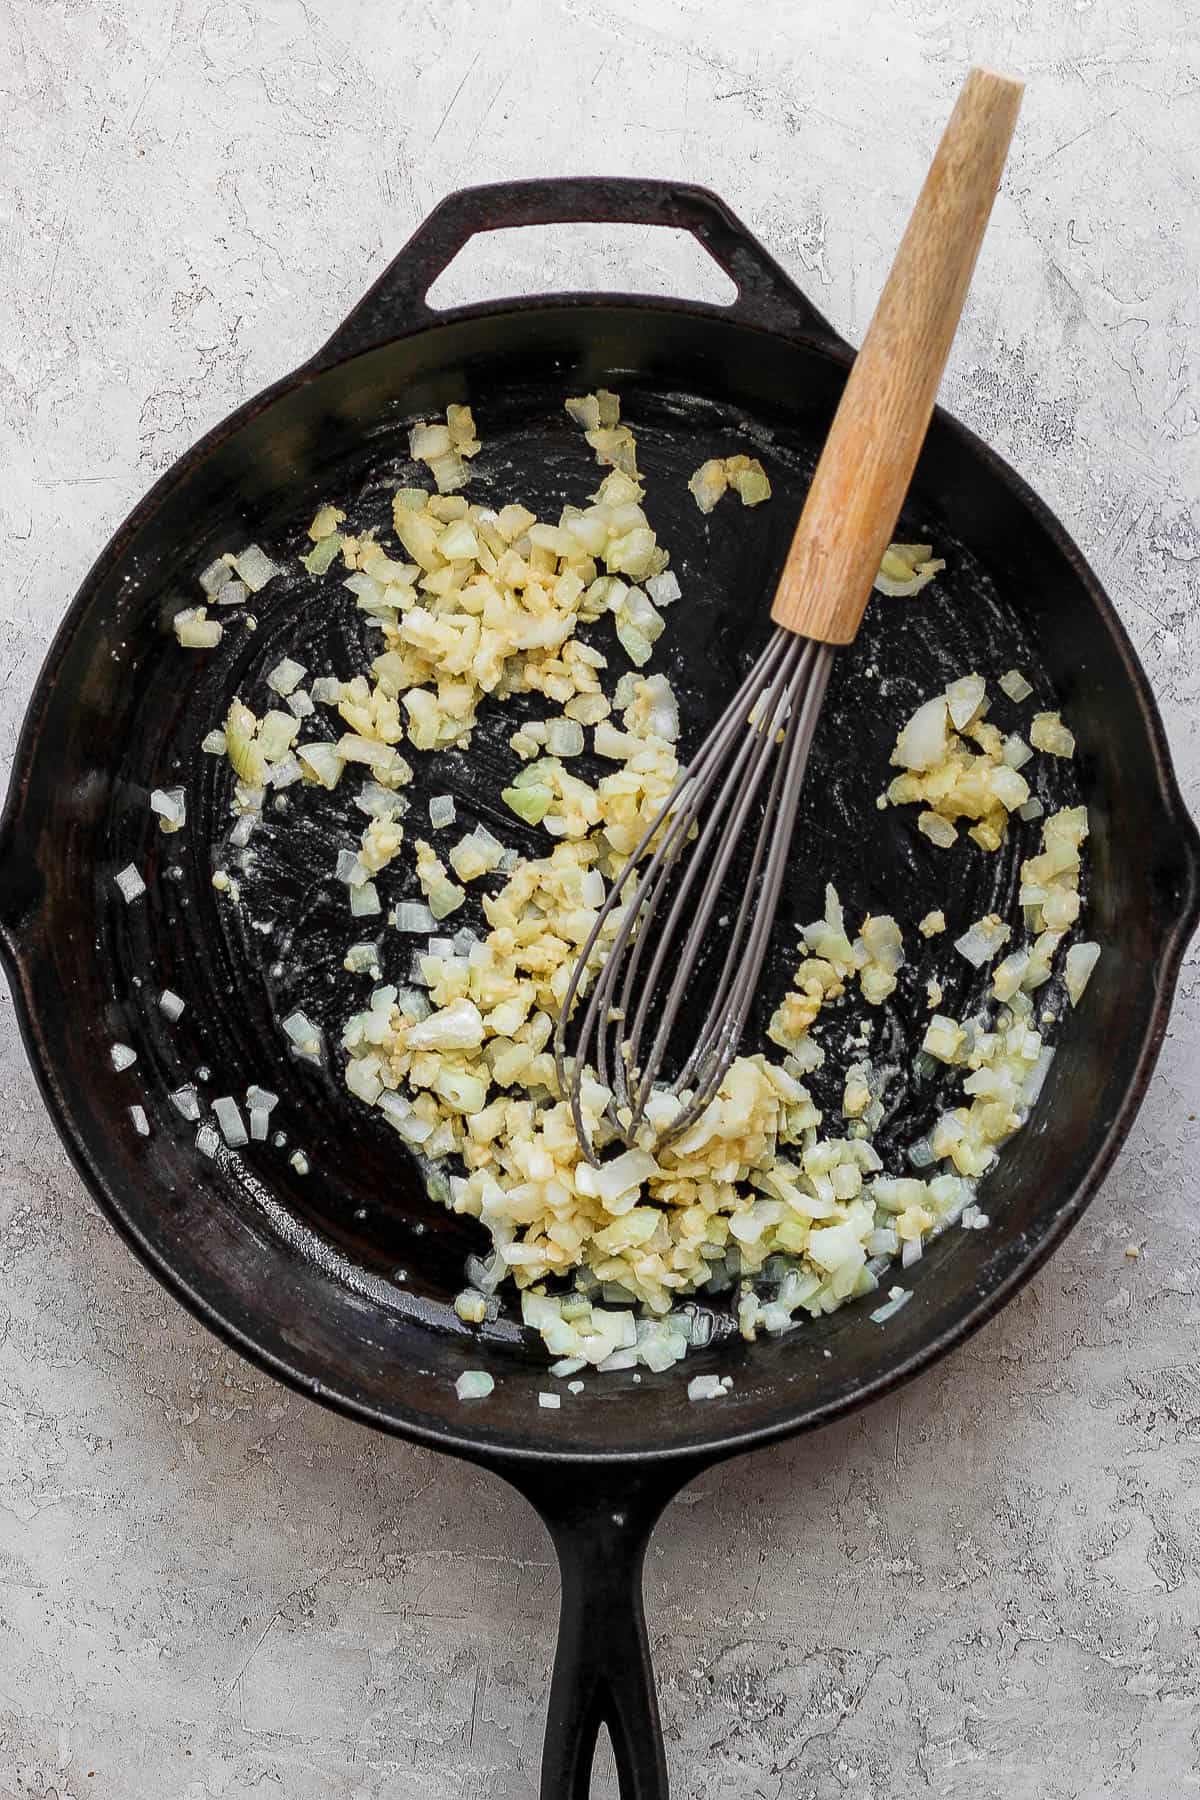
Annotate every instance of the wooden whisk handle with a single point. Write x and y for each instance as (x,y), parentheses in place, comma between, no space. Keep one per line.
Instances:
(877,433)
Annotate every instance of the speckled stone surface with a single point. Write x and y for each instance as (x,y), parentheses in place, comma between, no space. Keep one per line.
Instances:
(210,1590)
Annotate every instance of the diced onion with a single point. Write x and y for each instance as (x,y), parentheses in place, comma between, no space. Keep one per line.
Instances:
(255,567)
(130,883)
(939,831)
(171,806)
(923,742)
(286,676)
(1048,734)
(474,1384)
(982,940)
(322,763)
(564,737)
(1015,686)
(214,577)
(964,698)
(413,915)
(708,1387)
(123,1057)
(229,1119)
(305,1036)
(196,631)
(1081,960)
(897,1298)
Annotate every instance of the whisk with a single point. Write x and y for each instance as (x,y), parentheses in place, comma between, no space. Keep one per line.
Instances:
(753,762)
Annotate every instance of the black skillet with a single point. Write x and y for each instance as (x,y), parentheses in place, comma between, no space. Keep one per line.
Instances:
(339,1281)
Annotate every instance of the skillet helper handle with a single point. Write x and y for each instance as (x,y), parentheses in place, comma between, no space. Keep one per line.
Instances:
(397,304)
(880,424)
(602,1669)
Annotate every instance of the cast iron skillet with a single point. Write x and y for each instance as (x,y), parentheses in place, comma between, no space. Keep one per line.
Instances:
(339,1282)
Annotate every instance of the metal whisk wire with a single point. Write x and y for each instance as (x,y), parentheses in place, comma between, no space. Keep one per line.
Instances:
(766,730)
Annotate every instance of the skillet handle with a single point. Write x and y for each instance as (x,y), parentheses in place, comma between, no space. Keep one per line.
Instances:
(601,1521)
(396,304)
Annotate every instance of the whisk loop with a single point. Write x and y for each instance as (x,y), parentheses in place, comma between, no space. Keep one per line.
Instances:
(762,739)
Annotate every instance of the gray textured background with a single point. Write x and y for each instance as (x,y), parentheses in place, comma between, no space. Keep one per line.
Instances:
(207,1588)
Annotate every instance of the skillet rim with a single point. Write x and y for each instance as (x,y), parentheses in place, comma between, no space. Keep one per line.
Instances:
(708,1446)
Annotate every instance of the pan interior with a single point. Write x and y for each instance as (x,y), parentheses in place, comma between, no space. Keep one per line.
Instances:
(343,1275)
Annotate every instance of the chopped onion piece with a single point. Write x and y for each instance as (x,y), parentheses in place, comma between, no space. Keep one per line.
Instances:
(1015,686)
(708,1387)
(923,742)
(529,803)
(230,1120)
(123,1057)
(1009,974)
(980,942)
(186,1102)
(254,567)
(207,1141)
(299,1162)
(476,854)
(413,915)
(141,1123)
(130,883)
(906,569)
(350,869)
(171,806)
(474,1384)
(564,737)
(550,1402)
(305,1036)
(664,589)
(322,763)
(897,1298)
(196,631)
(215,576)
(286,676)
(171,1005)
(441,811)
(1048,733)
(964,698)
(939,831)
(364,900)
(286,772)
(1081,960)
(213,744)
(471,1307)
